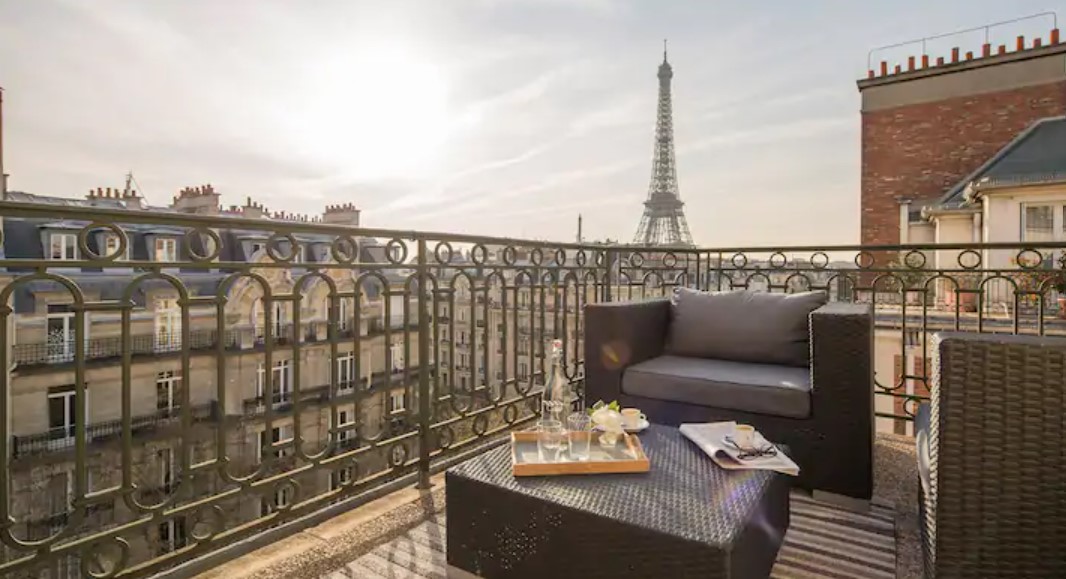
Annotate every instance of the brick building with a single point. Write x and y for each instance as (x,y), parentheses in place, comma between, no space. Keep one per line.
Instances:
(927,125)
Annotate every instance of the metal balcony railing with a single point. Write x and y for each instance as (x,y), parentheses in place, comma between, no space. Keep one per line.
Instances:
(914,290)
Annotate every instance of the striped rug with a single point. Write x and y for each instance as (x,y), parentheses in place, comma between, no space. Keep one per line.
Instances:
(822,541)
(829,541)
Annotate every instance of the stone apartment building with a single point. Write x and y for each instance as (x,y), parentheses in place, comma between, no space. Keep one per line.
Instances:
(73,338)
(193,357)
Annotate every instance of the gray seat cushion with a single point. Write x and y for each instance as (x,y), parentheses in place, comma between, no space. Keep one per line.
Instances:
(744,326)
(758,388)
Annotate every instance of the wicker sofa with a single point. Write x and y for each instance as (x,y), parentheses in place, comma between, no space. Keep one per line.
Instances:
(991,447)
(827,422)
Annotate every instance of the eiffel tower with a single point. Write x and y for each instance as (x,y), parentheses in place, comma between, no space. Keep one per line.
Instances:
(664,221)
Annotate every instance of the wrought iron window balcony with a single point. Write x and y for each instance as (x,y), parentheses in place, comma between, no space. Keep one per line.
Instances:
(62,350)
(64,437)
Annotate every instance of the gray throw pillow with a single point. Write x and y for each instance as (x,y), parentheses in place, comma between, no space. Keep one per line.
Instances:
(744,326)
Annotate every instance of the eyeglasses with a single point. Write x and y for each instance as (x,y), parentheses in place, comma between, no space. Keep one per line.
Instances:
(749,453)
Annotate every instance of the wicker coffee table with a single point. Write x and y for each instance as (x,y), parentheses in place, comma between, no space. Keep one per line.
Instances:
(685,518)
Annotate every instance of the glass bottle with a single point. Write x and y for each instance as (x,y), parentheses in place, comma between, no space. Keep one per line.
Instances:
(555,400)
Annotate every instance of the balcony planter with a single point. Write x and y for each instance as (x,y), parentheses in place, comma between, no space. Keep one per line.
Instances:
(1062,308)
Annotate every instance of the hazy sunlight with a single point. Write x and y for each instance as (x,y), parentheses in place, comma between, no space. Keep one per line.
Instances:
(376,113)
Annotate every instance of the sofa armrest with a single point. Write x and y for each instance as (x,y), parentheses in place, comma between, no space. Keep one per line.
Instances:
(842,363)
(842,396)
(618,335)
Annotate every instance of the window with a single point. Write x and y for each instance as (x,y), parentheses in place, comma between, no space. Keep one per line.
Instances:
(277,434)
(1038,223)
(167,324)
(281,376)
(166,249)
(111,245)
(346,371)
(344,315)
(523,370)
(345,418)
(60,492)
(340,477)
(64,246)
(60,325)
(298,253)
(396,400)
(255,248)
(171,535)
(396,353)
(61,411)
(280,320)
(166,390)
(165,460)
(279,500)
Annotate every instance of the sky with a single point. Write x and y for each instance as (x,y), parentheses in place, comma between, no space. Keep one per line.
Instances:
(488,117)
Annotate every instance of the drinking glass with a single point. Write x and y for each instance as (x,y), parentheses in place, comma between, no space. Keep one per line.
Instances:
(550,436)
(579,426)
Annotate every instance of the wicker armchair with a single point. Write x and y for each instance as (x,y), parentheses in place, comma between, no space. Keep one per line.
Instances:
(833,443)
(991,448)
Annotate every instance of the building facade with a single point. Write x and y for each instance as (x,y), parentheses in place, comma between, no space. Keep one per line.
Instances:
(206,362)
(927,125)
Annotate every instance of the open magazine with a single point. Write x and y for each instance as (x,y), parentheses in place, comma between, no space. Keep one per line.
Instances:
(711,438)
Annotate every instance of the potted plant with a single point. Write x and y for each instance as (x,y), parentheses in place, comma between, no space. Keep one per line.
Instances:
(964,291)
(1058,283)
(1041,279)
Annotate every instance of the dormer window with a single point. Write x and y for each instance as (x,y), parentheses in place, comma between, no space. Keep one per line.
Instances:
(64,246)
(111,245)
(166,249)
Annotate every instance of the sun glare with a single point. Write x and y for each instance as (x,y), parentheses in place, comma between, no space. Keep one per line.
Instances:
(381,113)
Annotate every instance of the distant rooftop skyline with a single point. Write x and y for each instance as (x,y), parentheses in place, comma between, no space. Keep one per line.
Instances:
(495,117)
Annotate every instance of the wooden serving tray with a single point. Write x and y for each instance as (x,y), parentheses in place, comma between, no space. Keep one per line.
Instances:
(627,455)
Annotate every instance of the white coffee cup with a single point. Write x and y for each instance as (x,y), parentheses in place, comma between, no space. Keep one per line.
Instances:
(632,417)
(744,436)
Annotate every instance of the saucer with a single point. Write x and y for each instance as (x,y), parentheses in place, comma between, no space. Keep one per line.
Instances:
(641,427)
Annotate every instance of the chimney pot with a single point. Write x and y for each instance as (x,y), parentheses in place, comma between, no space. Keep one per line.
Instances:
(898,69)
(955,54)
(869,73)
(1054,36)
(940,61)
(925,61)
(910,63)
(884,68)
(1038,42)
(1021,42)
(1002,49)
(986,49)
(969,55)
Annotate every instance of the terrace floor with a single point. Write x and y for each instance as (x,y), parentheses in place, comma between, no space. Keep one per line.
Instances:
(402,535)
